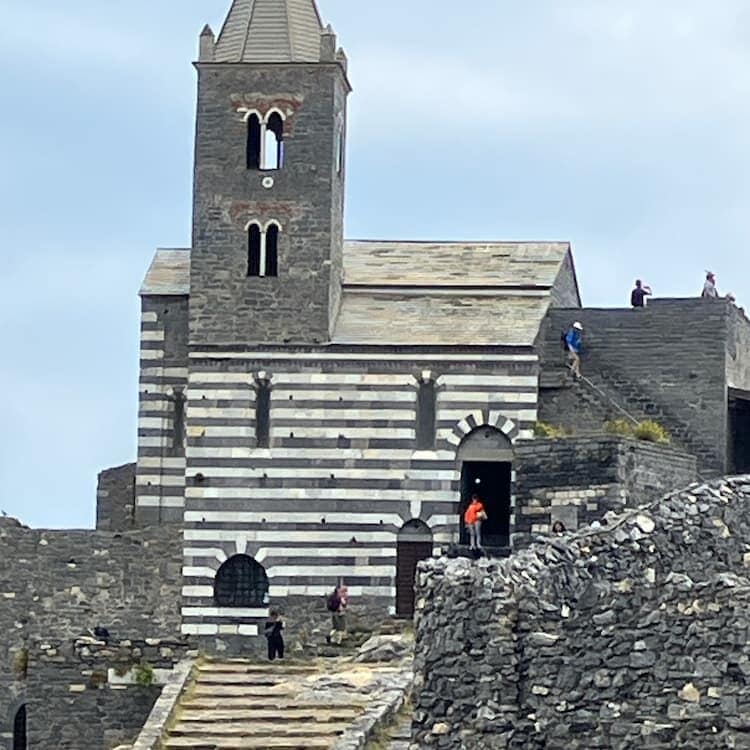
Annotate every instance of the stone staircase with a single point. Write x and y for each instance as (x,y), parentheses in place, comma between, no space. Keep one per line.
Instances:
(398,736)
(240,705)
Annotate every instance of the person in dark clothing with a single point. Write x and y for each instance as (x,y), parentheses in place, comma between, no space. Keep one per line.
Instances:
(639,294)
(273,630)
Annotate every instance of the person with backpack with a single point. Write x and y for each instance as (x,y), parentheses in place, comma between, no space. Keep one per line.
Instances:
(473,517)
(337,603)
(273,629)
(573,344)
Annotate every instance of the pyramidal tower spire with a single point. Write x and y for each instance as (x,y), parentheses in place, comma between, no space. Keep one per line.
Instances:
(270,31)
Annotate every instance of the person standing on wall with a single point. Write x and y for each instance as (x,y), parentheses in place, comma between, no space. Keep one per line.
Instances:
(639,294)
(709,288)
(473,517)
(573,344)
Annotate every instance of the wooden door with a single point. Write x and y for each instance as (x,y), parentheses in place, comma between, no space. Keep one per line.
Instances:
(408,556)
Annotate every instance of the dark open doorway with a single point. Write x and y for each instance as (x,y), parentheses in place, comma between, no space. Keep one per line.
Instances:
(492,482)
(738,447)
(414,544)
(19,729)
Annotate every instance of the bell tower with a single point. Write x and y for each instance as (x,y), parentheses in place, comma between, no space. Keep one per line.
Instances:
(269,174)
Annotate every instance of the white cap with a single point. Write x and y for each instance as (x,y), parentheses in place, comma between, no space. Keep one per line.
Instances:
(578,326)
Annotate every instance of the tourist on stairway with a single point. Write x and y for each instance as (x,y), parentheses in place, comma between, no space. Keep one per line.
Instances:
(574,342)
(337,604)
(273,630)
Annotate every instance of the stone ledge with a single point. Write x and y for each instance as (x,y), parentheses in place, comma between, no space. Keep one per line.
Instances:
(150,736)
(380,713)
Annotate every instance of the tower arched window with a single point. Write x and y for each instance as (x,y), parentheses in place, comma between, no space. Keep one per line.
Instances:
(272,249)
(254,141)
(273,146)
(265,141)
(263,249)
(254,249)
(241,582)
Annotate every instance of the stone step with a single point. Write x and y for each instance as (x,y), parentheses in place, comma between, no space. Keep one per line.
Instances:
(248,691)
(245,667)
(317,713)
(242,678)
(248,743)
(270,702)
(278,727)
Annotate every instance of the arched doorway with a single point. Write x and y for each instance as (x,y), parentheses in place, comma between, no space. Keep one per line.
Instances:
(414,544)
(19,729)
(485,460)
(241,582)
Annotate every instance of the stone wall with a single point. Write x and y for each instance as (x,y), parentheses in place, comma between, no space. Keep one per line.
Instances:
(630,636)
(96,695)
(115,499)
(668,361)
(55,585)
(305,197)
(578,480)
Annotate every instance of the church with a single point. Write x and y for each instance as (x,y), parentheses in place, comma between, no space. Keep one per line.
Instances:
(315,410)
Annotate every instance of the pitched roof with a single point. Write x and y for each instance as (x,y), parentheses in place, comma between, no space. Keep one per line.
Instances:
(464,264)
(450,293)
(270,31)
(169,274)
(427,293)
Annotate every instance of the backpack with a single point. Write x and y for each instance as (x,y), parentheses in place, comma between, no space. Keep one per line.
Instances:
(333,602)
(564,339)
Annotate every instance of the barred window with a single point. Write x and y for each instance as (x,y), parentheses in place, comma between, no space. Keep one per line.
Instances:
(241,582)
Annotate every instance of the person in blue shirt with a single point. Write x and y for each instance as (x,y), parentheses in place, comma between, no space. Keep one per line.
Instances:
(573,342)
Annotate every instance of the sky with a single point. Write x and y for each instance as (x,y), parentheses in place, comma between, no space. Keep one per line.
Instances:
(620,125)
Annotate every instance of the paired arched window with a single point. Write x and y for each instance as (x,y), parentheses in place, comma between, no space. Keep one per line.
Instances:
(241,582)
(263,249)
(265,140)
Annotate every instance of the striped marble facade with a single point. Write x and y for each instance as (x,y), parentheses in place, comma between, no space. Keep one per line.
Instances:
(160,471)
(326,501)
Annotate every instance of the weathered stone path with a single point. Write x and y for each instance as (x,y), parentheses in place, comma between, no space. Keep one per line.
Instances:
(238,705)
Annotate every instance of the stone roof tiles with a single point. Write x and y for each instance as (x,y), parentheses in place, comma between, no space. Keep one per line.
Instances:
(169,274)
(267,31)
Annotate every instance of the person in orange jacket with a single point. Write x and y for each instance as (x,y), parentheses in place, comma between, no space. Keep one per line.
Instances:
(473,517)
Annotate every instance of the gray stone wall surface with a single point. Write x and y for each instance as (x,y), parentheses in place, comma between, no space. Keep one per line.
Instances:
(629,636)
(666,361)
(579,480)
(738,350)
(115,499)
(95,695)
(565,291)
(55,585)
(305,196)
(573,406)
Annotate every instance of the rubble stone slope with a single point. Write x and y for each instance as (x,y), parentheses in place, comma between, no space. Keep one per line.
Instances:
(635,635)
